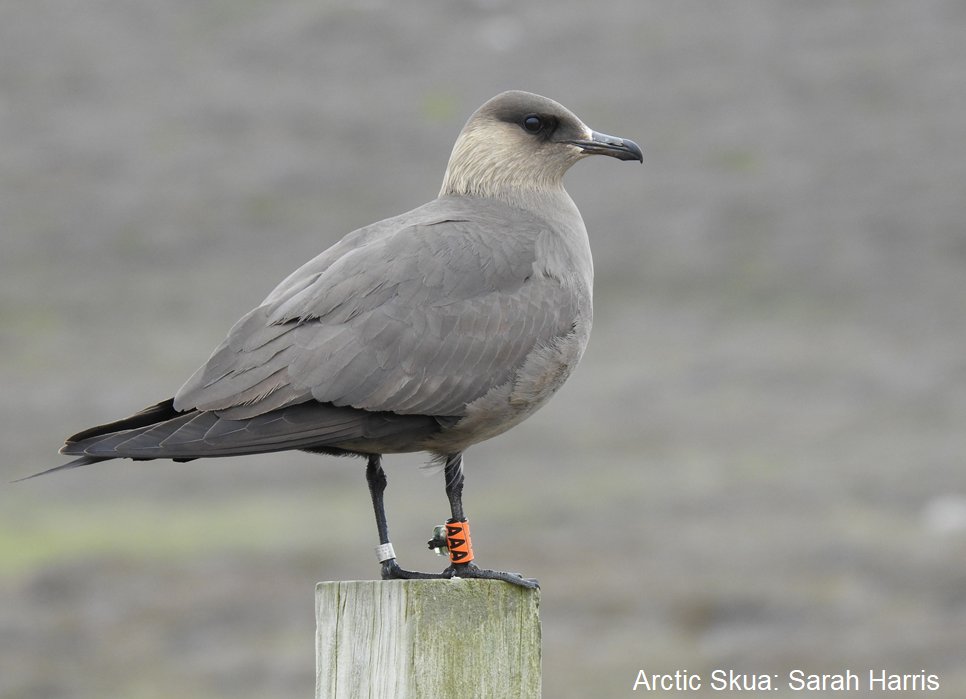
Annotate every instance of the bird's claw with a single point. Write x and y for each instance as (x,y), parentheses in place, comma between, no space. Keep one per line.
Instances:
(471,570)
(392,571)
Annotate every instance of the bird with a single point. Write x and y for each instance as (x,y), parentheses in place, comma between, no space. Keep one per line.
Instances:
(430,331)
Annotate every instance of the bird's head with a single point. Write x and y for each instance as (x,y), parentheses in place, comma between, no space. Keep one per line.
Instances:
(520,142)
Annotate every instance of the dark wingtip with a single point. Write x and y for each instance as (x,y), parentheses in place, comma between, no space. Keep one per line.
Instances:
(149,416)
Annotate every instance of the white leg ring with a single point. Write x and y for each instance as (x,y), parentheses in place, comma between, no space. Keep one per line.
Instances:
(384,552)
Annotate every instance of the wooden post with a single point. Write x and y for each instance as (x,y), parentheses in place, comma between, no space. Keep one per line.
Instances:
(427,639)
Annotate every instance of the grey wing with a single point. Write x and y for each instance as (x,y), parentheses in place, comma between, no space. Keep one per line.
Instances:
(422,320)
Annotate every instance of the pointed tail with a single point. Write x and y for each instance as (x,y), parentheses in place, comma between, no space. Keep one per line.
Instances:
(82,461)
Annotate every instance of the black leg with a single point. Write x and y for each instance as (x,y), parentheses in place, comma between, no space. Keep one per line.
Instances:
(453,472)
(376,478)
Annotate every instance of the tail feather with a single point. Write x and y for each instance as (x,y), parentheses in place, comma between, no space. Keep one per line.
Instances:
(82,461)
(160,432)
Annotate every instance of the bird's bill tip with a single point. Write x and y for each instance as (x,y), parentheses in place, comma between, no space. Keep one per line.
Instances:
(614,146)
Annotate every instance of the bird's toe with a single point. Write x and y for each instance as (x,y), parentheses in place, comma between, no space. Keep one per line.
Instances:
(471,570)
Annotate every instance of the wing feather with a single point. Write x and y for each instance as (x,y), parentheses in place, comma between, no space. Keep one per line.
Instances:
(204,434)
(421,314)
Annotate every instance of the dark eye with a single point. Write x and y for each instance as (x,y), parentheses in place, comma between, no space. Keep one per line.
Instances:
(532,123)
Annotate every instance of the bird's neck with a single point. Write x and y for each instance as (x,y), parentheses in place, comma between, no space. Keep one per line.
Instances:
(504,173)
(549,203)
(514,190)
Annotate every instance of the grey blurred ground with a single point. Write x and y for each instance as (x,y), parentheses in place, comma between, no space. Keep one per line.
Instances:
(760,463)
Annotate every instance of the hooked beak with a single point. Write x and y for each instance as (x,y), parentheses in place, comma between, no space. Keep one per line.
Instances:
(602,144)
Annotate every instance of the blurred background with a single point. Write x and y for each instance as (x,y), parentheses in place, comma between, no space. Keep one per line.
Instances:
(759,464)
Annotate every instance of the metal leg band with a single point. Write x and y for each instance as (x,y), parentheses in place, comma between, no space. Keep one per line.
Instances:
(384,552)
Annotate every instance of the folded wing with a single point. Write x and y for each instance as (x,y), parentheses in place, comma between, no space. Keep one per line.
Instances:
(420,314)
